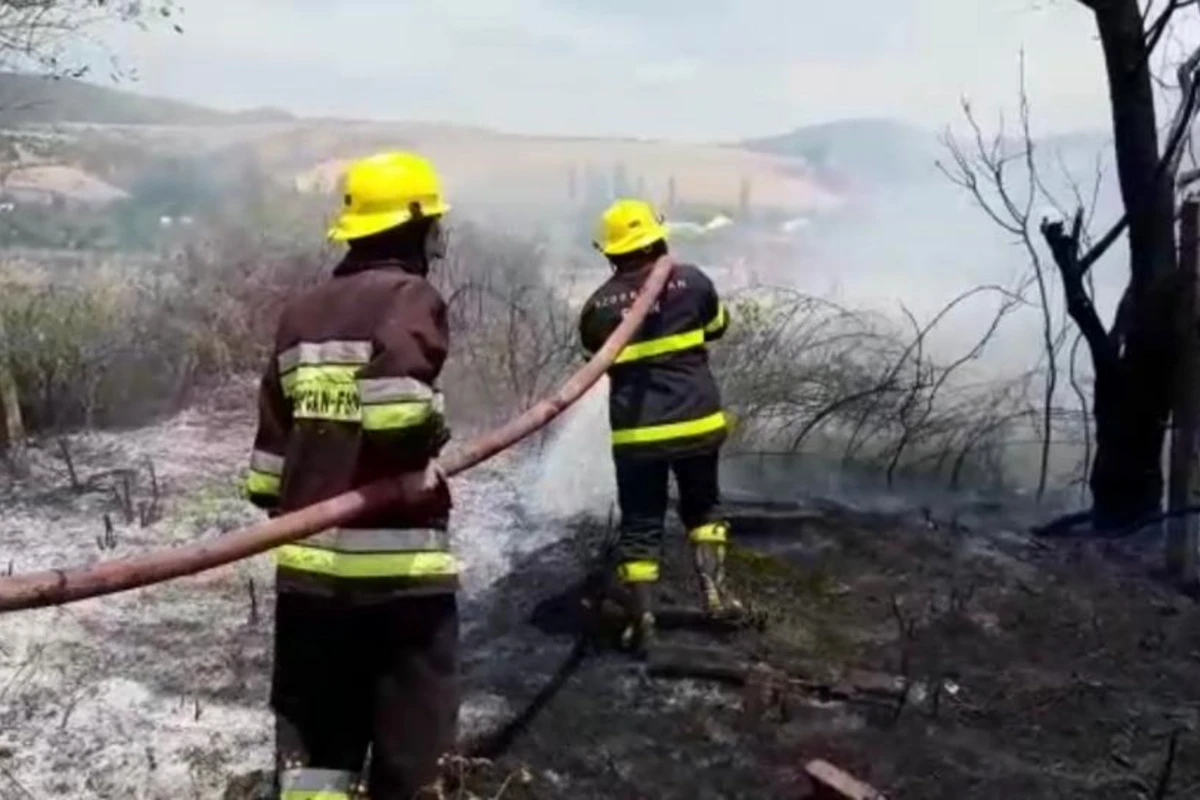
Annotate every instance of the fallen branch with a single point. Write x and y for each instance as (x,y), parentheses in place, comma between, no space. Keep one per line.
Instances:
(55,587)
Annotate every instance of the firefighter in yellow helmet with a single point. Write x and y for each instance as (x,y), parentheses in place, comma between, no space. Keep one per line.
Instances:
(366,620)
(665,411)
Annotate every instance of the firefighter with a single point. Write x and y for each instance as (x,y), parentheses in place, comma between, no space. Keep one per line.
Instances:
(366,619)
(665,412)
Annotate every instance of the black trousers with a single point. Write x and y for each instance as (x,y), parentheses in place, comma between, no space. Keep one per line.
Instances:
(642,496)
(383,675)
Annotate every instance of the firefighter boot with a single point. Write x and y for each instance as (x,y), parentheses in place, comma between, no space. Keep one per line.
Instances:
(709,544)
(638,633)
(633,589)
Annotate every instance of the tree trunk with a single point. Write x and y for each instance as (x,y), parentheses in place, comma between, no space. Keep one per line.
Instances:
(1134,380)
(1183,491)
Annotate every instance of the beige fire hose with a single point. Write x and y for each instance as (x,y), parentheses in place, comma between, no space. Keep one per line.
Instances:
(59,586)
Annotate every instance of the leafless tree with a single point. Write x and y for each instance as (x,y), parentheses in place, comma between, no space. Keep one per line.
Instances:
(37,35)
(1133,358)
(1002,177)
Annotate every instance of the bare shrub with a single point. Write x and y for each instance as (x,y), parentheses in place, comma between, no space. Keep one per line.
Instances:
(105,347)
(513,333)
(802,374)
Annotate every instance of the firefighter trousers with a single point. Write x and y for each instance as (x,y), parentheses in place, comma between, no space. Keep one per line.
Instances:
(642,494)
(348,677)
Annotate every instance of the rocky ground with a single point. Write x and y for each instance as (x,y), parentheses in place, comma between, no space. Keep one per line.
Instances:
(1012,667)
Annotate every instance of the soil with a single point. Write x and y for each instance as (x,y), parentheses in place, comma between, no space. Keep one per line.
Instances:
(1032,670)
(1024,668)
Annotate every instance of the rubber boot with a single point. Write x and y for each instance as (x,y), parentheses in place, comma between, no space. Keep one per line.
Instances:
(638,633)
(715,596)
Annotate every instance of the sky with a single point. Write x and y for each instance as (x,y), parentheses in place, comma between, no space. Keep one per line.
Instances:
(699,70)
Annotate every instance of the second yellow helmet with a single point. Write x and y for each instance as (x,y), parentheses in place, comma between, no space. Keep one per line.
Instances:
(629,225)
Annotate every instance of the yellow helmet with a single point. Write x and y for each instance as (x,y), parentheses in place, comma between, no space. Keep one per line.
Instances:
(629,225)
(386,190)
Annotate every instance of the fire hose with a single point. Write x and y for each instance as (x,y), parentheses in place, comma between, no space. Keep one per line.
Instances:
(60,586)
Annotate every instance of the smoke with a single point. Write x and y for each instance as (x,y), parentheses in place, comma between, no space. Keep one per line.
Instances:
(574,474)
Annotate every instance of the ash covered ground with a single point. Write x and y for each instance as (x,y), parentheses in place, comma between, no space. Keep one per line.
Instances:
(1028,669)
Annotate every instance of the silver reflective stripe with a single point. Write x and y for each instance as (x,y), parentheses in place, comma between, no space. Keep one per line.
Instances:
(316,780)
(380,540)
(262,461)
(393,390)
(332,352)
(439,403)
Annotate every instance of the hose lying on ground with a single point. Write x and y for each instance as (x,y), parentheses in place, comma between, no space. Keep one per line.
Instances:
(55,587)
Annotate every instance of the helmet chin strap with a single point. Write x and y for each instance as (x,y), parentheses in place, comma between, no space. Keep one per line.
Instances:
(435,242)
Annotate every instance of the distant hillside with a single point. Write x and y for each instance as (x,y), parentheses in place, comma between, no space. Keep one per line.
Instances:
(859,149)
(35,100)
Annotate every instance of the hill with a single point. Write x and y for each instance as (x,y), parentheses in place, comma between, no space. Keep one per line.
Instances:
(36,100)
(867,150)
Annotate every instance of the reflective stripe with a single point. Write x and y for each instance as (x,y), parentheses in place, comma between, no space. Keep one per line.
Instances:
(309,794)
(674,430)
(719,321)
(380,540)
(332,352)
(638,571)
(316,784)
(317,376)
(657,347)
(396,416)
(266,463)
(261,483)
(366,565)
(391,390)
(715,532)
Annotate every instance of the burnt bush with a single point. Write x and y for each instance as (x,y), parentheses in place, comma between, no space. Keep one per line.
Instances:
(110,346)
(93,346)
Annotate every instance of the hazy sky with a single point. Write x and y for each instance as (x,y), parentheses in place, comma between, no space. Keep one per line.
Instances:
(701,69)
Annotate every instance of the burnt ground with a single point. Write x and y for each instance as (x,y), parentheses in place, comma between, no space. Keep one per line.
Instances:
(1029,669)
(1033,669)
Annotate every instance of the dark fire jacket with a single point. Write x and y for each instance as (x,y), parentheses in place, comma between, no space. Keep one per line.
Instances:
(348,397)
(664,401)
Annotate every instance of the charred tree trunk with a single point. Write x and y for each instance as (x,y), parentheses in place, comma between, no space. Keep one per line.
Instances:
(1134,361)
(1182,492)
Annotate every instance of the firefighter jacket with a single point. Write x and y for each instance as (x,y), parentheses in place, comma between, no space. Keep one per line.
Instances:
(664,401)
(349,397)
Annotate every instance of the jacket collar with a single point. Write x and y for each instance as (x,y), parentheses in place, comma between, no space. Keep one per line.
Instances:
(352,264)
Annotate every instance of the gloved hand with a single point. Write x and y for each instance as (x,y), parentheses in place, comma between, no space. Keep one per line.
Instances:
(434,477)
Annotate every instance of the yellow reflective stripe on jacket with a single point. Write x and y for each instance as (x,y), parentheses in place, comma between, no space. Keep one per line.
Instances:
(657,347)
(397,403)
(264,477)
(316,784)
(719,321)
(674,430)
(260,483)
(310,794)
(366,565)
(638,571)
(396,416)
(334,392)
(319,378)
(713,532)
(308,377)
